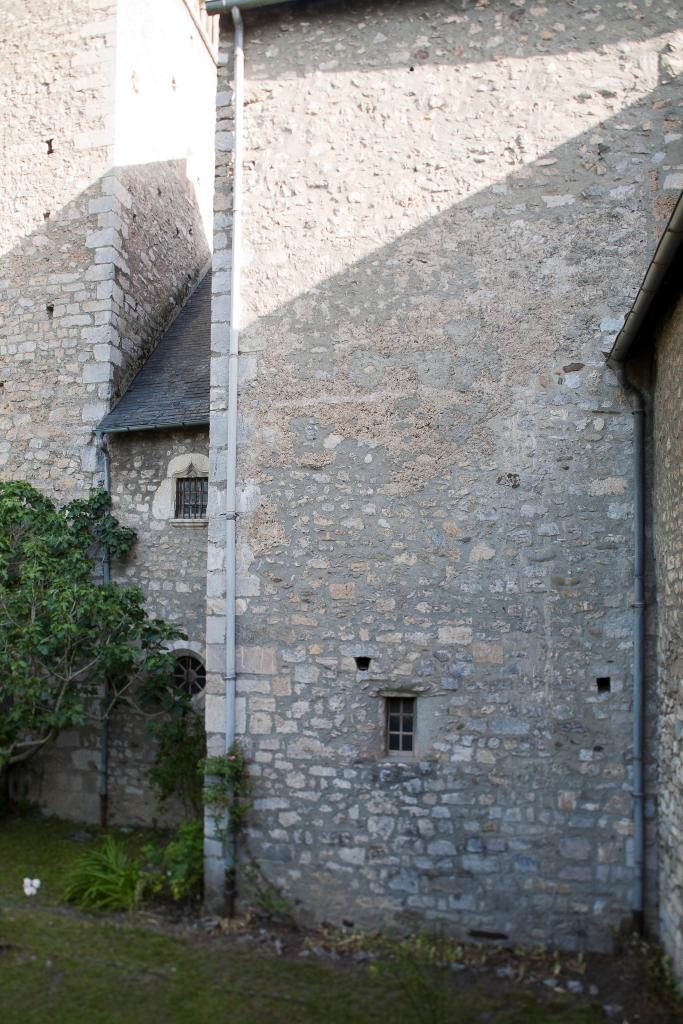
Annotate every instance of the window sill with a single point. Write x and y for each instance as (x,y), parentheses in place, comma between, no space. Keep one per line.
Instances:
(401,757)
(193,523)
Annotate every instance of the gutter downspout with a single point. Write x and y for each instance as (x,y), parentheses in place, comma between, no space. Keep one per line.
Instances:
(106,576)
(668,249)
(638,670)
(231,482)
(223,6)
(639,663)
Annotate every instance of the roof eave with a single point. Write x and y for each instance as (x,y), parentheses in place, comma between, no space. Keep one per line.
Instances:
(164,425)
(224,6)
(668,247)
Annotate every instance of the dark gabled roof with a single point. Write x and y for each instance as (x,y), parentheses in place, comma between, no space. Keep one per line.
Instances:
(172,388)
(655,284)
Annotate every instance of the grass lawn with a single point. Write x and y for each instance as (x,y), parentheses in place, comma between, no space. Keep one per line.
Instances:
(70,967)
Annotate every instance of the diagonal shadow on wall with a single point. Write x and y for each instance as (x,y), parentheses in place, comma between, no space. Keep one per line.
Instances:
(435,473)
(83,304)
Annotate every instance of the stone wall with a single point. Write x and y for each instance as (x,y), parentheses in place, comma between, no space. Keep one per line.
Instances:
(56,91)
(106,160)
(668,436)
(104,216)
(64,780)
(169,558)
(447,215)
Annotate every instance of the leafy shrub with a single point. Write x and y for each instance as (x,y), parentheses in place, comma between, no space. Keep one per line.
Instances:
(178,867)
(105,879)
(67,642)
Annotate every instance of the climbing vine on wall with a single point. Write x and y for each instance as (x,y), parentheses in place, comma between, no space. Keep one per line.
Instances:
(227,789)
(228,798)
(181,747)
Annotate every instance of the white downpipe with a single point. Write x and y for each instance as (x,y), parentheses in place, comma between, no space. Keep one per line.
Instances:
(233,355)
(231,469)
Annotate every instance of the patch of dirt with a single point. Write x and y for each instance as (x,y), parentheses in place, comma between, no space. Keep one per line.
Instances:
(633,986)
(630,987)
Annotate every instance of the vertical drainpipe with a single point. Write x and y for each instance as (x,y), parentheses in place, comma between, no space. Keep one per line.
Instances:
(639,664)
(231,483)
(106,575)
(638,668)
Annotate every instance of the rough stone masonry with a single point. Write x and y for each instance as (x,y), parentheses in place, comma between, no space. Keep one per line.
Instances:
(448,210)
(668,511)
(106,160)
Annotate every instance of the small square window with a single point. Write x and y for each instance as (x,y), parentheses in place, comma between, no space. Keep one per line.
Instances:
(191,497)
(400,724)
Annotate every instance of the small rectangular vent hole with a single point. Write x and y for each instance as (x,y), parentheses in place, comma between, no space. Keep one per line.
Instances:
(362,663)
(604,684)
(481,933)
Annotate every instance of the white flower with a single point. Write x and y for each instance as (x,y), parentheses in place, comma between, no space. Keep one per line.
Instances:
(31,886)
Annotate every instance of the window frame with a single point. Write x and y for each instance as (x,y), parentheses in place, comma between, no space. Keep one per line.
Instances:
(401,713)
(179,499)
(183,656)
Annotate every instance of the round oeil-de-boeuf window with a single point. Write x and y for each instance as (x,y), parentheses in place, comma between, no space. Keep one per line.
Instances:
(189,674)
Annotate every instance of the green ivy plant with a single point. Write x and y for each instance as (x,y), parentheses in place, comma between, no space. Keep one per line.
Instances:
(227,789)
(71,649)
(181,746)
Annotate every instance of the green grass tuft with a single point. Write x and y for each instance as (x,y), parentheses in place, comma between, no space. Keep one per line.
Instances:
(105,879)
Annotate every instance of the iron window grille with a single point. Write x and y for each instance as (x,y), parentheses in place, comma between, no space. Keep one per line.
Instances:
(400,724)
(189,674)
(191,497)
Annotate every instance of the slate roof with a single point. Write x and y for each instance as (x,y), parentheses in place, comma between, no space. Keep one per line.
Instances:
(172,388)
(662,278)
